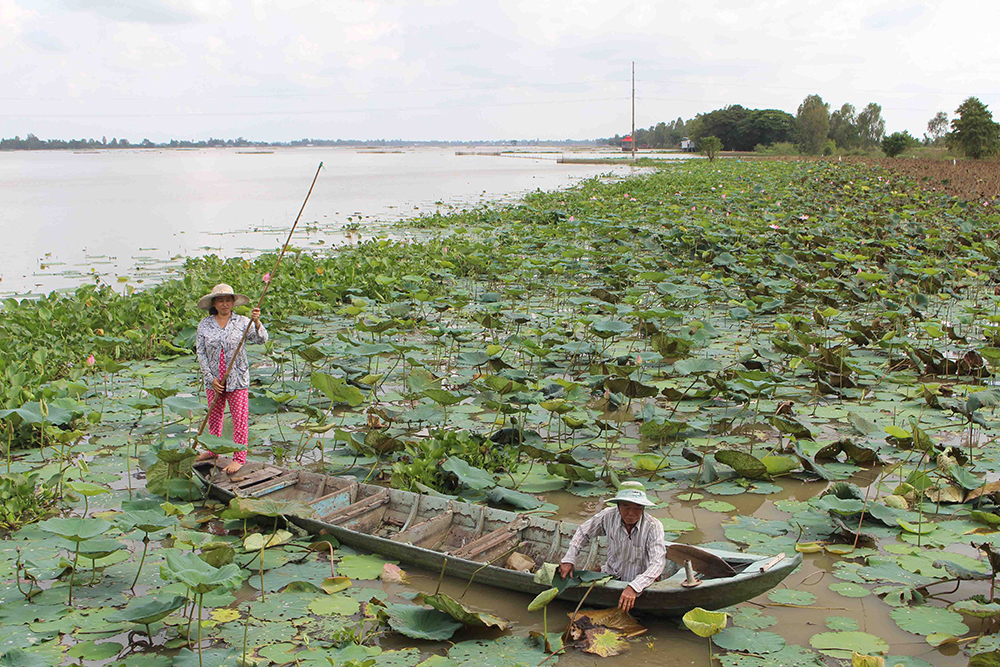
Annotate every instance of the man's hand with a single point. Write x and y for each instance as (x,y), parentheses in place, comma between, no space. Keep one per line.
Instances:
(255,316)
(565,570)
(627,600)
(218,387)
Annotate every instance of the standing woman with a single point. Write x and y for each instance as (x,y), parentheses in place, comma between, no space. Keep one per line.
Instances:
(219,335)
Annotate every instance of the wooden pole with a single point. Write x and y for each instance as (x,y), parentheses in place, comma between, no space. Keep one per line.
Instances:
(633,111)
(273,274)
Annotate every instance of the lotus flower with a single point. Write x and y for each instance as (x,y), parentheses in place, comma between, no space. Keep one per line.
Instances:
(91,361)
(267,277)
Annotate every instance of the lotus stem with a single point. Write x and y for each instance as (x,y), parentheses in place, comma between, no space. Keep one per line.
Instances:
(72,574)
(545,626)
(246,630)
(441,576)
(145,545)
(201,599)
(149,634)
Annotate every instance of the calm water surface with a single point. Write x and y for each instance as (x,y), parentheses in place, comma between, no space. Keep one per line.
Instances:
(130,217)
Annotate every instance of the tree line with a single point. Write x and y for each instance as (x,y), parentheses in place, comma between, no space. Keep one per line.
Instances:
(815,130)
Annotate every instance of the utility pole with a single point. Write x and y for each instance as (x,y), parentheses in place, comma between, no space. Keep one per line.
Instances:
(633,111)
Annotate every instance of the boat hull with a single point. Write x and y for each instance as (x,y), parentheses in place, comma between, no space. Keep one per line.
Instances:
(756,574)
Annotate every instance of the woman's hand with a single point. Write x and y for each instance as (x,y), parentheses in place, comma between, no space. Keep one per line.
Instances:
(217,386)
(255,316)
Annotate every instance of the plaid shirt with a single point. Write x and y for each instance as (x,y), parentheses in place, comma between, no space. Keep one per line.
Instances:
(212,339)
(638,557)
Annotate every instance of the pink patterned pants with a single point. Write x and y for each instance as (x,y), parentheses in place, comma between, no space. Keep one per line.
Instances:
(239,412)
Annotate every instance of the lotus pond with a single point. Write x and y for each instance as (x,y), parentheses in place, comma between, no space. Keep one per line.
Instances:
(790,356)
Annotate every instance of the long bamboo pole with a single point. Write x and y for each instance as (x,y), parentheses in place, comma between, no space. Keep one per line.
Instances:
(267,284)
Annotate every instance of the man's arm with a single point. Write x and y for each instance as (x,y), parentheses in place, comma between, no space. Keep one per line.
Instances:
(588,530)
(656,551)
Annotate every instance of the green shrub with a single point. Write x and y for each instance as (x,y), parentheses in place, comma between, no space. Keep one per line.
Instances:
(897,142)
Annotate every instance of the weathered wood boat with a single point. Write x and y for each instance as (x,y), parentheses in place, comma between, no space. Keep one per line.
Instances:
(425,531)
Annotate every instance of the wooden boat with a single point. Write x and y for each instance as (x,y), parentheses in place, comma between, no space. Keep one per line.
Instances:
(425,530)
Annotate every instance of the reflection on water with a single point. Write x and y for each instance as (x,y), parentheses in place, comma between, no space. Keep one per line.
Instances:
(137,213)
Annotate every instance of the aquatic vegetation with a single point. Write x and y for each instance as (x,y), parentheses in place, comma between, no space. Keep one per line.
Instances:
(814,340)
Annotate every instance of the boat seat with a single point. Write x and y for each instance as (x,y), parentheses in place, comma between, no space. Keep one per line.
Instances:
(245,477)
(271,485)
(362,516)
(435,529)
(500,539)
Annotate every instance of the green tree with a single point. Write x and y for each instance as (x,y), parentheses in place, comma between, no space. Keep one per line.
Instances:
(871,125)
(812,124)
(974,132)
(844,127)
(937,128)
(897,142)
(710,146)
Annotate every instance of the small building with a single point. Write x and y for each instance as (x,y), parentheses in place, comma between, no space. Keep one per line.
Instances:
(687,145)
(627,143)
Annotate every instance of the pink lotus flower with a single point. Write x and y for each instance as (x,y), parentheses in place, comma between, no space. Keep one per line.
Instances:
(91,361)
(267,277)
(572,218)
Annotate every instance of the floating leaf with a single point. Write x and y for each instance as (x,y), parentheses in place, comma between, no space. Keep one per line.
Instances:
(361,566)
(790,596)
(925,620)
(749,641)
(419,623)
(603,642)
(843,644)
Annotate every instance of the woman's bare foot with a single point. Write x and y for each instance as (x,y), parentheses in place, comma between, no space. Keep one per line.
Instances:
(233,468)
(205,455)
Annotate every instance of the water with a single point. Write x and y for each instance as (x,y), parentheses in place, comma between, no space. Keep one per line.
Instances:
(131,216)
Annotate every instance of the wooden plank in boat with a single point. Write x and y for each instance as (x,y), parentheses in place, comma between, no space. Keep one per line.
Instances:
(267,472)
(425,529)
(489,541)
(355,510)
(272,485)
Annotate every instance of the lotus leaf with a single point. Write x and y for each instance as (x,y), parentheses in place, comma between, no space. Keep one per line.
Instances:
(859,660)
(198,575)
(991,659)
(95,651)
(22,658)
(271,507)
(88,489)
(461,613)
(420,623)
(924,620)
(145,611)
(603,642)
(357,566)
(843,644)
(148,521)
(850,590)
(746,465)
(75,529)
(218,657)
(470,476)
(716,506)
(332,604)
(792,597)
(543,599)
(705,623)
(502,652)
(333,585)
(218,445)
(258,541)
(977,609)
(749,641)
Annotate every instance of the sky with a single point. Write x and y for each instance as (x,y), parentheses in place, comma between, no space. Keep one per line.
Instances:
(473,70)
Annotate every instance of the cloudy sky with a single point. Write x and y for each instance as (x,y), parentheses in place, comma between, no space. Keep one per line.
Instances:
(290,69)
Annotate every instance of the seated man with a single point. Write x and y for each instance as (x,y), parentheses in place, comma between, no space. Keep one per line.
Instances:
(636,550)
